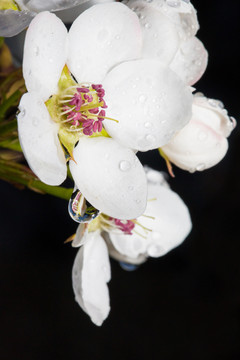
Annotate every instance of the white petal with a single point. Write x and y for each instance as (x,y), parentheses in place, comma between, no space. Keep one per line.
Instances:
(155,177)
(50,5)
(170,226)
(202,143)
(13,22)
(39,140)
(223,124)
(140,259)
(81,236)
(160,36)
(44,54)
(190,61)
(150,102)
(91,272)
(100,38)
(110,177)
(183,16)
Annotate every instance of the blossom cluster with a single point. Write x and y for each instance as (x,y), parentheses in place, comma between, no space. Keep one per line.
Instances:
(120,81)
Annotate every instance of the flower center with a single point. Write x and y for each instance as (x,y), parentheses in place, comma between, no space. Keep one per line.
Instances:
(82,108)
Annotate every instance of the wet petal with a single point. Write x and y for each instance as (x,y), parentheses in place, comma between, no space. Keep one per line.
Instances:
(180,13)
(44,54)
(160,36)
(81,236)
(100,38)
(50,5)
(13,22)
(202,143)
(190,61)
(150,102)
(39,141)
(110,177)
(169,226)
(91,273)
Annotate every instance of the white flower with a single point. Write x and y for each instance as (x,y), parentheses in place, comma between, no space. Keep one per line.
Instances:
(169,28)
(202,143)
(16,15)
(164,225)
(100,48)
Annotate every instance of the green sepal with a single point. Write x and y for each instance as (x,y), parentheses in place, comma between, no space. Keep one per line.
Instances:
(68,141)
(65,80)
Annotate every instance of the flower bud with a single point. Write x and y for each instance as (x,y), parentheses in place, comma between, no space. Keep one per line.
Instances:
(202,143)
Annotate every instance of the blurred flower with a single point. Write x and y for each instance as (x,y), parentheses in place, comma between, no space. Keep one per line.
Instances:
(169,28)
(16,15)
(202,143)
(163,226)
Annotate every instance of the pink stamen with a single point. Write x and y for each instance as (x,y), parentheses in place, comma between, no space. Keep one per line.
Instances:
(94,111)
(126,227)
(83,90)
(77,101)
(88,97)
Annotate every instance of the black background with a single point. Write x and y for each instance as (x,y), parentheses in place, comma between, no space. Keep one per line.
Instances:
(184,305)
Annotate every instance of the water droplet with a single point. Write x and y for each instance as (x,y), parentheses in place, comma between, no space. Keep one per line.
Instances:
(117,37)
(233,122)
(124,165)
(200,167)
(155,250)
(148,124)
(173,3)
(147,26)
(150,138)
(212,102)
(127,266)
(142,98)
(130,188)
(23,112)
(36,50)
(80,209)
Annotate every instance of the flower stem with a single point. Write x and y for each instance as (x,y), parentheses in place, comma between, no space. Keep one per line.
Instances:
(19,174)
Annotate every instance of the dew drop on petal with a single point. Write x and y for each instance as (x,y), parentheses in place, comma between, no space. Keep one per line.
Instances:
(80,209)
(127,266)
(148,125)
(142,98)
(36,50)
(150,138)
(124,165)
(155,250)
(200,167)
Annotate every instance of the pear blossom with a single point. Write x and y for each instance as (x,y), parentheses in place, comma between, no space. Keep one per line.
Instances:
(109,87)
(16,15)
(163,226)
(202,143)
(169,34)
